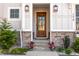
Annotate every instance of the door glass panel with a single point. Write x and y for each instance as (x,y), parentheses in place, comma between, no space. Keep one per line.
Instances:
(41,23)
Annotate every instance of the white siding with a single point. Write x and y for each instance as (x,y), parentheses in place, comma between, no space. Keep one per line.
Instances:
(16,24)
(63,19)
(27,18)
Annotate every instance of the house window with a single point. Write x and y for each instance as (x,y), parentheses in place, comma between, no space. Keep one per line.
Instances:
(14,13)
(77,17)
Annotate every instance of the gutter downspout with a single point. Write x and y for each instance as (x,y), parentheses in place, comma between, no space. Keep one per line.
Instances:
(21,38)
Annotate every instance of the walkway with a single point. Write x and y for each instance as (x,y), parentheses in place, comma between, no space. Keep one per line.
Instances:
(41,49)
(41,53)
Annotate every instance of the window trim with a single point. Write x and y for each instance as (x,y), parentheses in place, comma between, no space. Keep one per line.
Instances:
(14,19)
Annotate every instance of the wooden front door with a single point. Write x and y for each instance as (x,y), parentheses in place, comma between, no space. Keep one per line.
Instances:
(41,24)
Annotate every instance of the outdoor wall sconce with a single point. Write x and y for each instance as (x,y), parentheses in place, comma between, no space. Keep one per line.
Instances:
(26,8)
(69,6)
(55,8)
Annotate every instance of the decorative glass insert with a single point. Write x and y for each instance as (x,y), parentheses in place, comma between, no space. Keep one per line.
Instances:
(14,13)
(41,23)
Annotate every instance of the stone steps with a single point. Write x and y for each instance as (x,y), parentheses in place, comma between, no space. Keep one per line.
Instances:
(41,49)
(41,45)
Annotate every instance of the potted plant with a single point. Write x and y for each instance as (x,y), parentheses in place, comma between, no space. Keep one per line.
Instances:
(51,45)
(31,44)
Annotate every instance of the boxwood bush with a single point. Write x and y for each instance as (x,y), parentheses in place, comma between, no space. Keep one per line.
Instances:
(68,51)
(19,51)
(76,45)
(66,42)
(60,49)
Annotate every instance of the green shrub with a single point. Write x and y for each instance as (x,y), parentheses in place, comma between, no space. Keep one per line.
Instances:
(68,51)
(18,50)
(1,51)
(7,36)
(66,42)
(76,45)
(60,49)
(5,51)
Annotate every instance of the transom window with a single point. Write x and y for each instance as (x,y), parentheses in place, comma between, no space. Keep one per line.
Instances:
(14,13)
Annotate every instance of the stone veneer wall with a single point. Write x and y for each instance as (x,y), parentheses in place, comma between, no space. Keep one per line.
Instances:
(56,37)
(26,38)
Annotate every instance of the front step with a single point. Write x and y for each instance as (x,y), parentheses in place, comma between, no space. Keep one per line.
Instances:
(41,48)
(41,45)
(41,41)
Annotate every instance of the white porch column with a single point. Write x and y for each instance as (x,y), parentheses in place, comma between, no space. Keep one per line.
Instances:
(51,27)
(22,23)
(74,17)
(23,16)
(31,19)
(26,21)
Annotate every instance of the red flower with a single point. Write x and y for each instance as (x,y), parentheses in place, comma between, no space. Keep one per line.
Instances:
(31,45)
(51,45)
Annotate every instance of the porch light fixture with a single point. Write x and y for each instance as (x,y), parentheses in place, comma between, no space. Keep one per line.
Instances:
(26,8)
(69,6)
(55,8)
